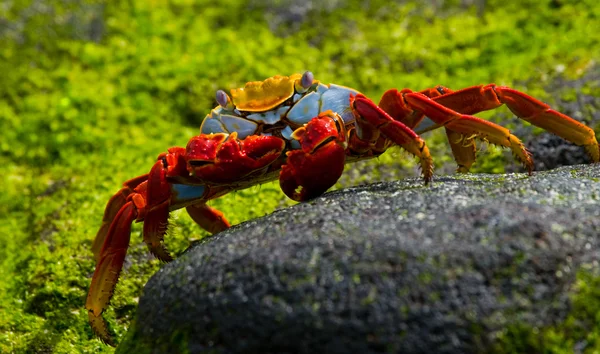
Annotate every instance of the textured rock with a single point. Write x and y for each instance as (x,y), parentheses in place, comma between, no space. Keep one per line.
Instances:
(393,267)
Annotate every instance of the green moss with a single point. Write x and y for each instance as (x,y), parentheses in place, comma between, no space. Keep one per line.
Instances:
(176,343)
(579,329)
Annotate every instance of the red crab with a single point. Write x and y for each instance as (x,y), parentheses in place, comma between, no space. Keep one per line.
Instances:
(302,132)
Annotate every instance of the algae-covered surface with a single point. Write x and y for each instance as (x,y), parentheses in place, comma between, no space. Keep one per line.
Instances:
(92,91)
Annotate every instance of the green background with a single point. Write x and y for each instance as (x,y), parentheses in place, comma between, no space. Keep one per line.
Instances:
(91,92)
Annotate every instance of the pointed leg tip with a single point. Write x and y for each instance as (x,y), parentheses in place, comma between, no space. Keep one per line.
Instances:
(529,166)
(100,328)
(593,151)
(427,177)
(160,251)
(462,169)
(427,169)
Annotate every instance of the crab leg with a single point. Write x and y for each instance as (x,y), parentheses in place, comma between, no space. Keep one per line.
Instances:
(463,147)
(210,219)
(137,206)
(372,118)
(112,208)
(469,126)
(147,198)
(108,269)
(480,98)
(404,104)
(156,211)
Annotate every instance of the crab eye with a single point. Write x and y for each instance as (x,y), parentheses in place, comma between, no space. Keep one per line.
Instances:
(307,79)
(223,99)
(305,82)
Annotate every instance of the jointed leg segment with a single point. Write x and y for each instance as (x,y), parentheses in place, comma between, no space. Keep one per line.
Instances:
(146,198)
(372,120)
(210,219)
(480,98)
(454,109)
(468,126)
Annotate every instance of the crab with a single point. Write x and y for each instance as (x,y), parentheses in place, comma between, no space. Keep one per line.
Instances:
(302,132)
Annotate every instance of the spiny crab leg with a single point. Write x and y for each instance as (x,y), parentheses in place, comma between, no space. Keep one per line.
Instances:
(485,97)
(447,108)
(371,118)
(463,148)
(112,208)
(541,115)
(468,125)
(108,269)
(116,239)
(169,186)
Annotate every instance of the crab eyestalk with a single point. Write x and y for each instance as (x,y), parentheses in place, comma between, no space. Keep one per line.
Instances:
(305,82)
(224,100)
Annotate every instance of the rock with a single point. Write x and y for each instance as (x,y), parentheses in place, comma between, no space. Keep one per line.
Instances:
(391,267)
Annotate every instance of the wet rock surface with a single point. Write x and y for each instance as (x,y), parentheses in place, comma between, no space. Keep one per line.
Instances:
(390,267)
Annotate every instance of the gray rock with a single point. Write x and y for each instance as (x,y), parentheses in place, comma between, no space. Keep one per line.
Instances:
(391,267)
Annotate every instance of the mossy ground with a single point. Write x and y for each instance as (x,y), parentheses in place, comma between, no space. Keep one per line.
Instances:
(91,92)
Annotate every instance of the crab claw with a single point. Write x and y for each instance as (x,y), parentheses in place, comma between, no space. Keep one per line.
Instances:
(314,168)
(219,158)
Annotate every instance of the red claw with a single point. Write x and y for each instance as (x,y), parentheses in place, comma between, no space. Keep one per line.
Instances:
(219,161)
(310,172)
(203,148)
